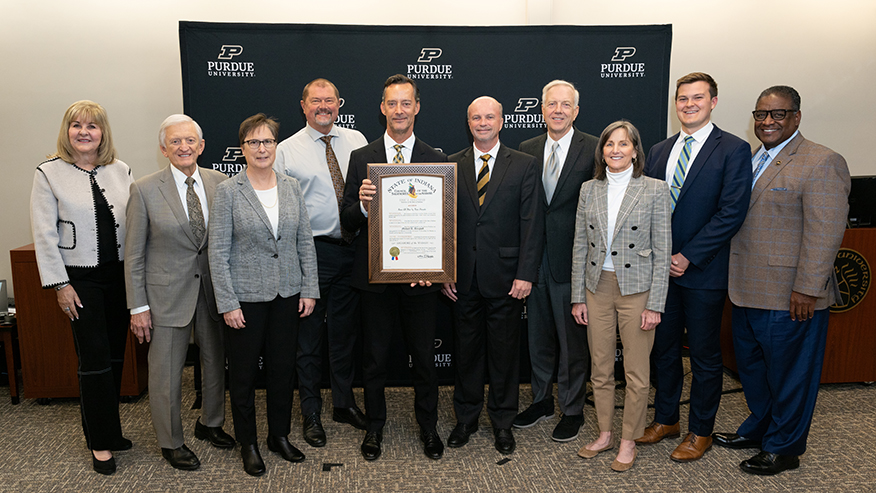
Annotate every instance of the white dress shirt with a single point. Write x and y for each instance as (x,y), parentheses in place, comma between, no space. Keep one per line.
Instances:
(700,137)
(562,151)
(478,162)
(302,156)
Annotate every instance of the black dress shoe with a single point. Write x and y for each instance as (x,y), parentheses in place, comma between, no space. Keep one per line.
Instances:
(460,434)
(181,458)
(432,445)
(313,432)
(103,466)
(282,446)
(505,443)
(733,440)
(371,445)
(350,415)
(252,460)
(768,464)
(123,444)
(215,435)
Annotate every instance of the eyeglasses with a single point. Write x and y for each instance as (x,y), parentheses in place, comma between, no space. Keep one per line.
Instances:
(255,144)
(777,115)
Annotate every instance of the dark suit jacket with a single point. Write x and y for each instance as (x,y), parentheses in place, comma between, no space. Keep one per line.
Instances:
(711,206)
(164,266)
(502,240)
(559,215)
(352,218)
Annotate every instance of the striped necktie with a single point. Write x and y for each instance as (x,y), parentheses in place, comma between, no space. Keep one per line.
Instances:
(760,164)
(680,171)
(399,158)
(337,180)
(483,179)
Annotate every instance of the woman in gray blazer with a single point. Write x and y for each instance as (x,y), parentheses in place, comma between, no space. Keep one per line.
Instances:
(263,264)
(78,219)
(620,275)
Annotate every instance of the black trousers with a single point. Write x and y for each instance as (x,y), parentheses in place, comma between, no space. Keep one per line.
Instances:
(335,318)
(487,341)
(271,331)
(99,336)
(416,315)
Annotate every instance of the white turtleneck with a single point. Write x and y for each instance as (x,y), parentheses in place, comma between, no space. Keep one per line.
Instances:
(617,186)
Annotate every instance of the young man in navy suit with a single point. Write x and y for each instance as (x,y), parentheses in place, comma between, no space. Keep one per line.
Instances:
(709,174)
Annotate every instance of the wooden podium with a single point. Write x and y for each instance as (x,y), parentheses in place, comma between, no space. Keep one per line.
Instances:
(48,356)
(850,355)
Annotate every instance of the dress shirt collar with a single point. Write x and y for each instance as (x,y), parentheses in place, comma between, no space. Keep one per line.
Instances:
(407,151)
(565,142)
(316,134)
(700,135)
(774,151)
(180,178)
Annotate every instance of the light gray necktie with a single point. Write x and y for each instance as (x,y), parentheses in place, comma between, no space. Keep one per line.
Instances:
(551,173)
(196,215)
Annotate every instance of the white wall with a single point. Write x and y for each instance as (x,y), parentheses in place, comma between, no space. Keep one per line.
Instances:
(125,55)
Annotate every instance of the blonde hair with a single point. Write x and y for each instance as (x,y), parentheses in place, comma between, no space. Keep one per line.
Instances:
(88,110)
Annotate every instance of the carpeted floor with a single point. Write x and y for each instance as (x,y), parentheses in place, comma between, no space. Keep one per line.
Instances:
(43,450)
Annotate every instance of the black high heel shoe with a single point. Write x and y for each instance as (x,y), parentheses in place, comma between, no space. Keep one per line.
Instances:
(106,467)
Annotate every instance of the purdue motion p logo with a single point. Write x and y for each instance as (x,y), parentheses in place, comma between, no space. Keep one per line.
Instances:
(226,68)
(425,69)
(525,104)
(853,276)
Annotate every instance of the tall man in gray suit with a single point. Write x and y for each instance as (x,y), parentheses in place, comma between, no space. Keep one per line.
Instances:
(317,156)
(782,282)
(170,291)
(565,158)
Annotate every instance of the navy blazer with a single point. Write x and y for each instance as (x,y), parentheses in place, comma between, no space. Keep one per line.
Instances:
(711,206)
(352,218)
(501,240)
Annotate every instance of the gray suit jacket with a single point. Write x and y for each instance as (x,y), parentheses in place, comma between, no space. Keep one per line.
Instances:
(795,225)
(640,246)
(164,266)
(250,265)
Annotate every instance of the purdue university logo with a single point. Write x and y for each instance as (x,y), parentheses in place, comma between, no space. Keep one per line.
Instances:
(853,275)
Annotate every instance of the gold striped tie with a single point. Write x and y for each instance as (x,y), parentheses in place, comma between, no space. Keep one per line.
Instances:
(483,179)
(399,158)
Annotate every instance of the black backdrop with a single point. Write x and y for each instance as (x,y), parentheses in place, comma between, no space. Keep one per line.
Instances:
(232,71)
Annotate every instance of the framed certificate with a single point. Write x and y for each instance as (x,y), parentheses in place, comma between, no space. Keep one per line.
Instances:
(412,223)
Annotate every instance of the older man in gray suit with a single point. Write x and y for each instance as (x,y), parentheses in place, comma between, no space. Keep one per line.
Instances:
(170,291)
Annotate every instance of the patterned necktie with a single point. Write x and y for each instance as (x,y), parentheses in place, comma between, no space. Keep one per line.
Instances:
(551,173)
(680,171)
(196,215)
(399,158)
(483,179)
(337,180)
(760,164)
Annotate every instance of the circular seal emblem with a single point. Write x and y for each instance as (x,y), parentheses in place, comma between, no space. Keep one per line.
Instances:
(394,251)
(853,276)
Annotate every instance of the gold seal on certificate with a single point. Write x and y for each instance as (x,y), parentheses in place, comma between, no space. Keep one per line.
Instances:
(412,223)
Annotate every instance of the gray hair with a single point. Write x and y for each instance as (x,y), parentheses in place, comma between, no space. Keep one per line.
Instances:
(176,120)
(558,82)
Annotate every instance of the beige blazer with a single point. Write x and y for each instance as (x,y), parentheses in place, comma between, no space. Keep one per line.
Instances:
(641,244)
(795,225)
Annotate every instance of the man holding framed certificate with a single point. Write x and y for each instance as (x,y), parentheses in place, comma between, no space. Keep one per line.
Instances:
(415,306)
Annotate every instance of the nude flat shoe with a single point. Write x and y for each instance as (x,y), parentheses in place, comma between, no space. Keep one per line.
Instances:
(624,466)
(589,454)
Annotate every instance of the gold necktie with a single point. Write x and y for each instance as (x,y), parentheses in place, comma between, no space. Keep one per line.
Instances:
(483,179)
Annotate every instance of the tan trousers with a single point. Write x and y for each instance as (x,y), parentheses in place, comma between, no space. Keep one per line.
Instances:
(607,309)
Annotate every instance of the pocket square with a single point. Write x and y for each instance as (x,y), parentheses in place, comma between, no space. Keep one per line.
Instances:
(779,189)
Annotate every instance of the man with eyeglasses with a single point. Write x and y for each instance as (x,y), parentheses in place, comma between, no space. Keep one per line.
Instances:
(782,282)
(414,306)
(318,156)
(710,183)
(565,158)
(170,291)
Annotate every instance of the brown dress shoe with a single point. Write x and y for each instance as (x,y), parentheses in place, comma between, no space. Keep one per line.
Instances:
(692,448)
(656,432)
